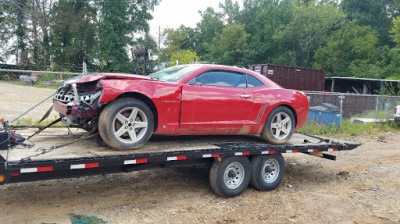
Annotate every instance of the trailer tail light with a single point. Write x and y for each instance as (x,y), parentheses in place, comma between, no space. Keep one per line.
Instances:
(1,178)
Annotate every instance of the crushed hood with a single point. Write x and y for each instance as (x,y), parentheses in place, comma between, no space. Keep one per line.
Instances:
(99,76)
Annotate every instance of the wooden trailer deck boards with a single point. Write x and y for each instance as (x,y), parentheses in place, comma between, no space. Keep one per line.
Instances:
(158,144)
(229,153)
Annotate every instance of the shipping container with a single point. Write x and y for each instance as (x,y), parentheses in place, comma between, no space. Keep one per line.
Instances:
(291,77)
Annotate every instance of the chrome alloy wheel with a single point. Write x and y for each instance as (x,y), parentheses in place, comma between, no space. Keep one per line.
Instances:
(281,125)
(270,170)
(130,125)
(234,175)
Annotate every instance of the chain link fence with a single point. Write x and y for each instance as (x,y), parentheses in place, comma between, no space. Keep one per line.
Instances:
(54,76)
(45,78)
(351,106)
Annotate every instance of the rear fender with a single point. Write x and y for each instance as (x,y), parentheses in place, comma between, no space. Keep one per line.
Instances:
(296,102)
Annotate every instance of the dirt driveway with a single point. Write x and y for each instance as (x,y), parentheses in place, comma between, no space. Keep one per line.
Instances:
(362,186)
(16,99)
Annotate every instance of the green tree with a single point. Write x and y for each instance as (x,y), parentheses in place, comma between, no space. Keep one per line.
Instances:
(209,29)
(183,57)
(40,12)
(119,20)
(73,39)
(374,13)
(5,30)
(395,31)
(233,43)
(350,51)
(231,10)
(18,11)
(393,56)
(262,19)
(183,38)
(307,30)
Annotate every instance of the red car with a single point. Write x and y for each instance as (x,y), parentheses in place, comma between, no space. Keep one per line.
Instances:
(193,99)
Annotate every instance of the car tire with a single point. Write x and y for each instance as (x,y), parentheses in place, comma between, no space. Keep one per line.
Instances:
(279,126)
(231,176)
(267,171)
(126,123)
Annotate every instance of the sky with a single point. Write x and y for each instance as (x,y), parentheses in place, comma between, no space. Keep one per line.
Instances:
(173,13)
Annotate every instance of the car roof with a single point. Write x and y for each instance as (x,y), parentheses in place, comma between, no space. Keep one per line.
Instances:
(224,67)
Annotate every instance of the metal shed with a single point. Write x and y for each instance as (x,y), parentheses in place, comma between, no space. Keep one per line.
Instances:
(292,77)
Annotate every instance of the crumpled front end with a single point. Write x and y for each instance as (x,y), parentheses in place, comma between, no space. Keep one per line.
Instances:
(79,103)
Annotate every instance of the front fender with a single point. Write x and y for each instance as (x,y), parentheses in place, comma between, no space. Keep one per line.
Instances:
(165,96)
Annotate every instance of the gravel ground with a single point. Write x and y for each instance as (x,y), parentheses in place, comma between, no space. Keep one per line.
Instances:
(362,186)
(16,99)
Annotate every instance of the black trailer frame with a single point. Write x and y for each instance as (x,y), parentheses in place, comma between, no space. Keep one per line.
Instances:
(33,170)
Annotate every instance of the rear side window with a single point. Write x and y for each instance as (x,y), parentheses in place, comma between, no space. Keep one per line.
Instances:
(253,82)
(220,78)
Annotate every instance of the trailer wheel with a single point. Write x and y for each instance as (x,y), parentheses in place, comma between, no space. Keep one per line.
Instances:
(279,126)
(231,176)
(267,171)
(126,123)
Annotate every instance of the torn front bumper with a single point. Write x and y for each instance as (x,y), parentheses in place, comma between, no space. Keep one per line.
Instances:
(76,111)
(71,103)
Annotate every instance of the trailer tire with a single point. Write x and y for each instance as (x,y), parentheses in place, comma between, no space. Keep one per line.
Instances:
(126,123)
(231,176)
(276,130)
(267,171)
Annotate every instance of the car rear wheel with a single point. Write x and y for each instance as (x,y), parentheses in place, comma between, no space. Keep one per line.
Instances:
(279,126)
(126,124)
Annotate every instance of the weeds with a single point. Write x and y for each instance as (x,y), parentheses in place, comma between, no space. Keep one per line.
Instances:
(28,121)
(349,130)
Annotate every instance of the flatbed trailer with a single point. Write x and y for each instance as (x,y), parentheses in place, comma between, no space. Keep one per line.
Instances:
(235,161)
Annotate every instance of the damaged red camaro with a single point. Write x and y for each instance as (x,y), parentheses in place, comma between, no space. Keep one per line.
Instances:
(182,100)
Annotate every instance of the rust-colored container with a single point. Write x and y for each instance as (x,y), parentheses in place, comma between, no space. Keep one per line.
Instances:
(291,77)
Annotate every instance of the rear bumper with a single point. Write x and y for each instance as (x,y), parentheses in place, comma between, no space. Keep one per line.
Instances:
(76,110)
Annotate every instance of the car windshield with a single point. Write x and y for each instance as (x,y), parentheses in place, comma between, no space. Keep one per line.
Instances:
(175,73)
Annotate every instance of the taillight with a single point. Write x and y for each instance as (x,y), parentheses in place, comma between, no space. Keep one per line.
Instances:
(395,110)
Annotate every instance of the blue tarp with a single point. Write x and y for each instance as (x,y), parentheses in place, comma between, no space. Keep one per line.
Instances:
(326,113)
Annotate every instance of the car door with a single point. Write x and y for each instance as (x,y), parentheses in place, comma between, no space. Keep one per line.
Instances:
(216,102)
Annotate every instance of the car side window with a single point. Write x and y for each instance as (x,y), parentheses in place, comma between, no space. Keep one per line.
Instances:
(220,78)
(253,82)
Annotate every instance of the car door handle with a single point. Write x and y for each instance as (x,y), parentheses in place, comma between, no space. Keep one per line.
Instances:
(245,96)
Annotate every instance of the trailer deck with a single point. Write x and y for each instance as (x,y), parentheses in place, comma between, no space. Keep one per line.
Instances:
(87,157)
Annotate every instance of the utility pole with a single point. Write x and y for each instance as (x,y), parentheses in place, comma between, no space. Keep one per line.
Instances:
(159,38)
(84,68)
(159,46)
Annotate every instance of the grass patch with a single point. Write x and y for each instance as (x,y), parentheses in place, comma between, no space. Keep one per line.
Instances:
(382,114)
(349,130)
(28,121)
(84,219)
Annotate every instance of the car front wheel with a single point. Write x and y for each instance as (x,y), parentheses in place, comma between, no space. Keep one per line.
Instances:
(279,126)
(126,123)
